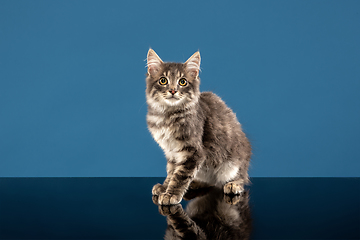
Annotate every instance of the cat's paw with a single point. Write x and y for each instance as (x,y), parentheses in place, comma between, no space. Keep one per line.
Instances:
(169,199)
(158,189)
(155,199)
(233,188)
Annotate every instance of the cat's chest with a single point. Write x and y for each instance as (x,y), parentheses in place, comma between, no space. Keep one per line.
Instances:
(164,132)
(168,136)
(165,136)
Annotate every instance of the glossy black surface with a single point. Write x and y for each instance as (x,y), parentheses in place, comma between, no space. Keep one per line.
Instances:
(122,208)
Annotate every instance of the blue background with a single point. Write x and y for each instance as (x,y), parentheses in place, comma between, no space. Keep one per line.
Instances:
(72,82)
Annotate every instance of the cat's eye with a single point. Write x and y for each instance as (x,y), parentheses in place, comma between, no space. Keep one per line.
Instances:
(163,81)
(182,82)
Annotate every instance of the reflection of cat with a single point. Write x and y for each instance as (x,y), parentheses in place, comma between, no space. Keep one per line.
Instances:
(212,216)
(201,137)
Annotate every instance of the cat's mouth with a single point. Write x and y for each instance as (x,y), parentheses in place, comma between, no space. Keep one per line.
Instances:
(172,98)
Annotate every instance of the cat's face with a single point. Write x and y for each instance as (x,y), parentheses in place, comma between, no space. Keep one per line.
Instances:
(172,84)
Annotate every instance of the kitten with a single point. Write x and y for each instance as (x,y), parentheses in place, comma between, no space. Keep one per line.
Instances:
(200,136)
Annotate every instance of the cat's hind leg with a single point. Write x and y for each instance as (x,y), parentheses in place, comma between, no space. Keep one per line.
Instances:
(234,187)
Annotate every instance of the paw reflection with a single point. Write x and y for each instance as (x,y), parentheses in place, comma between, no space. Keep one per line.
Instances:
(166,210)
(210,214)
(232,199)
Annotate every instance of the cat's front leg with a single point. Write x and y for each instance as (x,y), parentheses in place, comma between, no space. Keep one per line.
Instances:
(180,180)
(161,188)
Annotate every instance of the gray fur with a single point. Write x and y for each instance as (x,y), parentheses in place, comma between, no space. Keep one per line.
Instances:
(200,136)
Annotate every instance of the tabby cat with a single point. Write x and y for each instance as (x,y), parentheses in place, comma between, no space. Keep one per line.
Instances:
(201,137)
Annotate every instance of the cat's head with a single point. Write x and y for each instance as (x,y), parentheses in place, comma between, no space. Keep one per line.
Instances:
(172,85)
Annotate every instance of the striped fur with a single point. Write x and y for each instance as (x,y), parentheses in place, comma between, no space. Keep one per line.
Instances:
(200,136)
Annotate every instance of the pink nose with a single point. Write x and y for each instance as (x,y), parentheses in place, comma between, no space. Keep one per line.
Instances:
(173,91)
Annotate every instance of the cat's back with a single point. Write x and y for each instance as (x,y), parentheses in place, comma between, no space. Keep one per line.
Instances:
(210,98)
(223,137)
(216,109)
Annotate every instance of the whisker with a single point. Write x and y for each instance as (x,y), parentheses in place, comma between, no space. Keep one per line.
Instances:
(142,106)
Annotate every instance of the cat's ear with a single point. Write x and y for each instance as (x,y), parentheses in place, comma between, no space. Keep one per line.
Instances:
(153,62)
(193,64)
